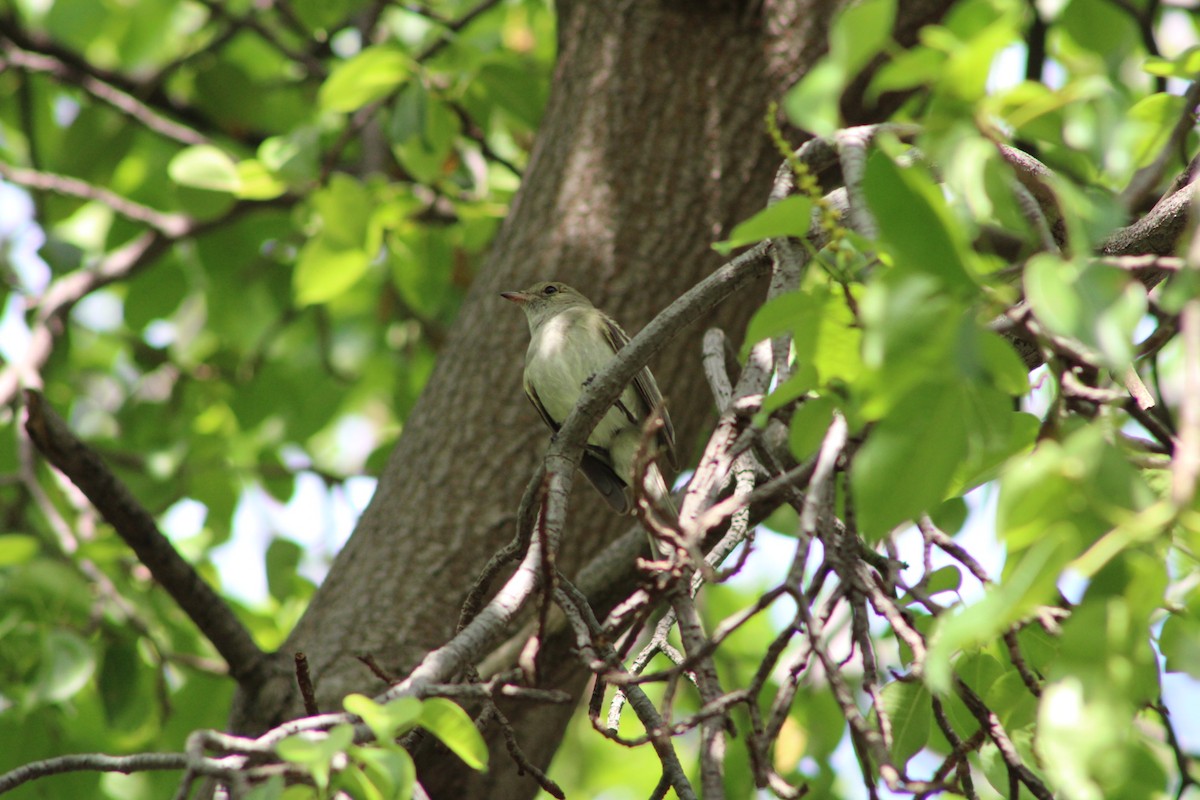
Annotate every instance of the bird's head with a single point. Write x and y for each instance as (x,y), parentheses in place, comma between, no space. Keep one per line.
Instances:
(547,299)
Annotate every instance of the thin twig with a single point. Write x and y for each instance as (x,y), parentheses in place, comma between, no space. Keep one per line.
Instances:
(304,681)
(168,224)
(992,726)
(104,91)
(455,26)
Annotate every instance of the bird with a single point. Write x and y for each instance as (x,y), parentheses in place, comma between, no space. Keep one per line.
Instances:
(570,341)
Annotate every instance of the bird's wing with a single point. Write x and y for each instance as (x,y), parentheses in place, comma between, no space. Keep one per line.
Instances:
(647,391)
(594,465)
(601,475)
(532,394)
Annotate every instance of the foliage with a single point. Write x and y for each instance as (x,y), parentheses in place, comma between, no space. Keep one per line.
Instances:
(899,334)
(382,769)
(212,175)
(285,337)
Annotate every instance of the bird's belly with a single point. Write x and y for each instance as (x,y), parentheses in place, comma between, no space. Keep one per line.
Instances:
(559,373)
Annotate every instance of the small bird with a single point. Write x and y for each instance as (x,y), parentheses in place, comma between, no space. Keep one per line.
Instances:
(570,341)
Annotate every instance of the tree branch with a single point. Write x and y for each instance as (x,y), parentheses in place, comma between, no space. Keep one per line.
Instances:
(992,726)
(91,762)
(217,9)
(106,92)
(1158,232)
(137,528)
(567,446)
(141,97)
(168,224)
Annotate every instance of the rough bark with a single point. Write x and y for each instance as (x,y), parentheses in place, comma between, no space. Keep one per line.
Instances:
(652,147)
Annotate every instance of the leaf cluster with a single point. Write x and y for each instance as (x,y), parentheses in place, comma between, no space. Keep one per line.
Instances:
(239,237)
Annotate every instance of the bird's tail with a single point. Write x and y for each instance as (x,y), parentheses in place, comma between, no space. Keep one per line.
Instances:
(655,487)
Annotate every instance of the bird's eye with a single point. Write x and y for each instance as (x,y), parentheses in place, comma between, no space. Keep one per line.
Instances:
(550,290)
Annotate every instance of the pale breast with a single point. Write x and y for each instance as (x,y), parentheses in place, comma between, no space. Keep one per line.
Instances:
(558,371)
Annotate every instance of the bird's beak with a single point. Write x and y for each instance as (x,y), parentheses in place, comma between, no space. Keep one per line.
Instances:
(520,298)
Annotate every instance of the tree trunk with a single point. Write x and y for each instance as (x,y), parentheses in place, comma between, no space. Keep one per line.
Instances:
(652,147)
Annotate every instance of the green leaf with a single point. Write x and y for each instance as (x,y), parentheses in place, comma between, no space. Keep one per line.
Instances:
(68,663)
(812,104)
(1038,647)
(802,381)
(909,706)
(1181,288)
(926,427)
(121,686)
(292,157)
(316,752)
(792,312)
(1184,66)
(516,89)
(340,737)
(283,556)
(1031,581)
(1137,578)
(389,768)
(344,208)
(371,75)
(1097,305)
(300,749)
(255,182)
(995,434)
(1180,644)
(911,327)
(323,273)
(1012,701)
(385,721)
(1108,649)
(914,221)
(817,714)
(1152,120)
(353,782)
(1077,733)
(1008,373)
(945,579)
(809,425)
(950,515)
(978,670)
(836,349)
(906,70)
(825,335)
(995,769)
(205,166)
(791,216)
(1077,490)
(449,723)
(966,73)
(1035,110)
(860,32)
(423,130)
(155,294)
(17,548)
(270,789)
(1100,28)
(421,266)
